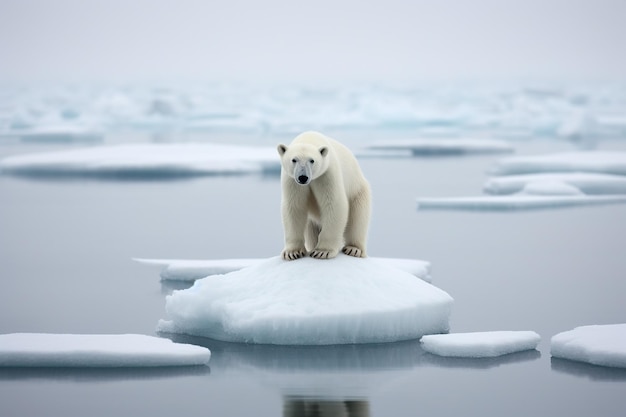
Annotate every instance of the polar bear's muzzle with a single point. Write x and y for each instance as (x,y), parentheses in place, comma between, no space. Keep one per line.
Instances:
(302,174)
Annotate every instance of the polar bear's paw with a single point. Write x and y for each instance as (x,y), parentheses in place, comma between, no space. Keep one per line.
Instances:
(293,254)
(353,251)
(323,253)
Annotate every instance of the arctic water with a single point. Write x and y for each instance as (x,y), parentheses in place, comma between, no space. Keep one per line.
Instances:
(66,267)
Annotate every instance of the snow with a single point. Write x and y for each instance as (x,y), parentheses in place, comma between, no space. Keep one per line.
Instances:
(147,160)
(310,302)
(480,344)
(442,146)
(550,188)
(606,162)
(603,345)
(96,350)
(588,183)
(516,202)
(191,270)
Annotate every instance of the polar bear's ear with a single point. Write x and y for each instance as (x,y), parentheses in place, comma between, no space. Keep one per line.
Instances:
(324,150)
(281,149)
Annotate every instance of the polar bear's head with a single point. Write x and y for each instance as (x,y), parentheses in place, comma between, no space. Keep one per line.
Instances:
(303,162)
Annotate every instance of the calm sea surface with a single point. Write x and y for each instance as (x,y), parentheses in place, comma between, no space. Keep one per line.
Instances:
(66,250)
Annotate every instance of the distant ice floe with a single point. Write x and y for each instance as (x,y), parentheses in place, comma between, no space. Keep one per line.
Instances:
(310,302)
(587,183)
(190,270)
(603,345)
(480,344)
(58,134)
(96,351)
(602,162)
(437,147)
(146,161)
(516,202)
(546,181)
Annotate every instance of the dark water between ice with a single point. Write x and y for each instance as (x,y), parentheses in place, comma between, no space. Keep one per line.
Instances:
(66,267)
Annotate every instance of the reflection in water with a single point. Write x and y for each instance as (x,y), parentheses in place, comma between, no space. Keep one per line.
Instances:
(307,407)
(593,372)
(101,374)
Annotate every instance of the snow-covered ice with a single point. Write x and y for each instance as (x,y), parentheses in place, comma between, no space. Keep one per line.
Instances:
(516,202)
(603,345)
(441,146)
(96,350)
(604,162)
(188,270)
(480,344)
(588,183)
(147,160)
(310,302)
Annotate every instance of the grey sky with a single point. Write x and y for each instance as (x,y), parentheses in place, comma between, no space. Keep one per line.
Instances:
(322,39)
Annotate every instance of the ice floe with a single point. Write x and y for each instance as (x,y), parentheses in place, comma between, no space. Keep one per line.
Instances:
(480,344)
(603,345)
(588,183)
(188,270)
(146,160)
(58,134)
(96,350)
(603,162)
(438,146)
(516,202)
(310,302)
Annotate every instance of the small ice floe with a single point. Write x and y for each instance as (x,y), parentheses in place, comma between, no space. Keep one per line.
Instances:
(587,183)
(58,134)
(522,201)
(439,147)
(480,344)
(190,270)
(146,161)
(603,345)
(310,302)
(96,351)
(603,162)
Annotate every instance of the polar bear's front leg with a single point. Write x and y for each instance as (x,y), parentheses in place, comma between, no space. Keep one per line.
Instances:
(333,218)
(294,222)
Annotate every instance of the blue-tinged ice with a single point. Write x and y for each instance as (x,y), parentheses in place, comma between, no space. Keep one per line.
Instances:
(188,270)
(310,302)
(96,351)
(603,345)
(438,146)
(603,162)
(146,160)
(480,344)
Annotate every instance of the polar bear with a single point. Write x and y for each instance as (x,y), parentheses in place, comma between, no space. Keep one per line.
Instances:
(326,200)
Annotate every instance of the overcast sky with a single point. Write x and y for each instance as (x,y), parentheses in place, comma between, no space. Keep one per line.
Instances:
(312,40)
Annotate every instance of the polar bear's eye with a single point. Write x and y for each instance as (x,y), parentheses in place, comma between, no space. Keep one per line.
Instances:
(294,160)
(311,161)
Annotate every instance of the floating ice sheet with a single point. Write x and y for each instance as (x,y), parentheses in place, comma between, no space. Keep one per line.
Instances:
(310,302)
(585,182)
(442,146)
(515,202)
(58,134)
(606,162)
(191,270)
(73,350)
(146,160)
(480,344)
(603,345)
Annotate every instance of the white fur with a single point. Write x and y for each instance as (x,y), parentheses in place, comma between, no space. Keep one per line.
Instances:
(326,199)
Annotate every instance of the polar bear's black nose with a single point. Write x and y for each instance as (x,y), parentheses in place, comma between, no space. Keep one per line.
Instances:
(302,179)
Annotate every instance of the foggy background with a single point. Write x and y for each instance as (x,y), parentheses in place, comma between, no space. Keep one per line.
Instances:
(278,40)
